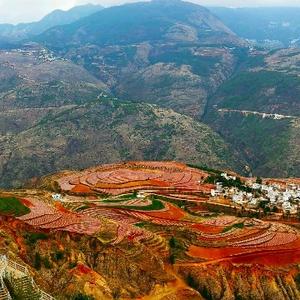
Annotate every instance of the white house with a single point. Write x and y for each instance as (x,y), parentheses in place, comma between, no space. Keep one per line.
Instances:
(57,197)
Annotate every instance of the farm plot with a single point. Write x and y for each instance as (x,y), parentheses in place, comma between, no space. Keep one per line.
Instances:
(12,207)
(276,236)
(265,239)
(126,229)
(46,217)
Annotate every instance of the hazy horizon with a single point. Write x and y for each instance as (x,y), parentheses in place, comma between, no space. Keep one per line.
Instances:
(23,11)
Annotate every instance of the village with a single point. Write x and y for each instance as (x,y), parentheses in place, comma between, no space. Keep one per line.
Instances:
(271,197)
(34,50)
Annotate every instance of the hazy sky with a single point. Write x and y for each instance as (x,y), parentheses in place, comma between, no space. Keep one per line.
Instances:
(15,11)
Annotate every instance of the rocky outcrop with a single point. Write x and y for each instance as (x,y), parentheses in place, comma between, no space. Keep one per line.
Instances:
(230,282)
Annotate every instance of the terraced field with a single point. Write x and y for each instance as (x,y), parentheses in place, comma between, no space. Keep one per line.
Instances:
(151,207)
(118,179)
(46,217)
(158,194)
(242,244)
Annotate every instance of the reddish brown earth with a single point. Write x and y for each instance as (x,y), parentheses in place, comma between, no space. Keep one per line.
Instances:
(147,245)
(172,213)
(122,178)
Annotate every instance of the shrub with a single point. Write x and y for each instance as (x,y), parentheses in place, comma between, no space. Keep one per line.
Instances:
(72,265)
(82,297)
(258,180)
(47,263)
(33,237)
(297,280)
(172,259)
(58,255)
(191,282)
(37,261)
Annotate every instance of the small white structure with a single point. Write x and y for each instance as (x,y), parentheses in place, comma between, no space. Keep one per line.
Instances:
(238,198)
(57,197)
(256,186)
(213,193)
(219,187)
(286,206)
(228,177)
(253,202)
(140,195)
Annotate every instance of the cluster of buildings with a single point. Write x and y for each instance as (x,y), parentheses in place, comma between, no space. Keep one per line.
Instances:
(46,55)
(284,198)
(35,51)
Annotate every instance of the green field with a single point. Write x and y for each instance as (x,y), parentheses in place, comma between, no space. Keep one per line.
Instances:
(156,205)
(12,207)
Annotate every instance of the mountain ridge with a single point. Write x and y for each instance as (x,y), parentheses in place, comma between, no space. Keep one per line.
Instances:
(21,31)
(111,21)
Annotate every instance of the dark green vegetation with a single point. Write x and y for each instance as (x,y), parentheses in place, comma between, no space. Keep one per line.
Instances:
(228,182)
(264,91)
(206,169)
(176,249)
(33,237)
(156,205)
(268,144)
(13,207)
(265,143)
(238,226)
(82,297)
(201,66)
(297,280)
(37,261)
(129,196)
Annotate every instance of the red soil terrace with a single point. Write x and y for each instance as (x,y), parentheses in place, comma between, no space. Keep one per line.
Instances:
(46,217)
(122,178)
(268,244)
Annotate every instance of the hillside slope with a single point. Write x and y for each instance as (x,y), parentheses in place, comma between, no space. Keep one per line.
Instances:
(109,131)
(171,53)
(139,22)
(35,83)
(258,112)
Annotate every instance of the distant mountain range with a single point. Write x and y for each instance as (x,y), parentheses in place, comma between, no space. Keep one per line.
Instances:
(273,27)
(139,22)
(151,80)
(22,31)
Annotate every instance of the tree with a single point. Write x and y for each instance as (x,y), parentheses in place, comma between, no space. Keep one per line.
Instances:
(47,263)
(297,280)
(173,242)
(37,261)
(172,259)
(259,180)
(267,210)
